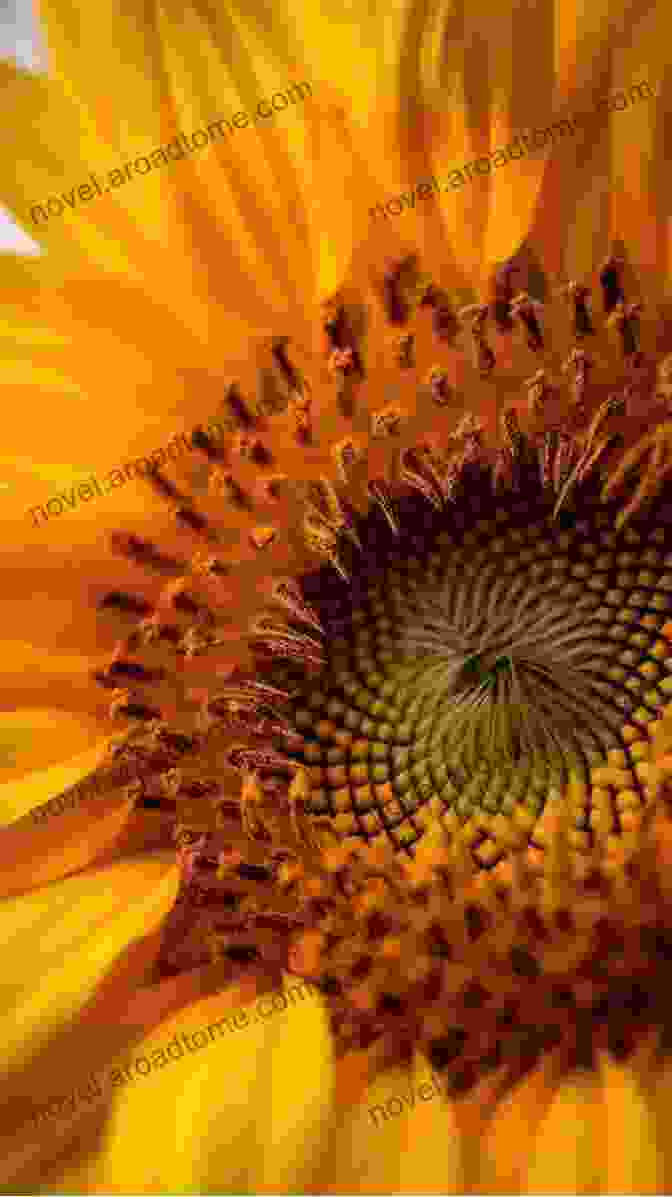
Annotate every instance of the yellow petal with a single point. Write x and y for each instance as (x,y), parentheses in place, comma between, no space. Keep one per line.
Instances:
(222,1099)
(248,180)
(633,1159)
(33,739)
(298,1106)
(564,1156)
(39,104)
(641,167)
(434,1156)
(21,795)
(397,1134)
(61,942)
(508,1140)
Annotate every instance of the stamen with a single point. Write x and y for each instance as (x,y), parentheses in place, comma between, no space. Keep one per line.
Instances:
(245,712)
(539,392)
(145,553)
(565,459)
(287,592)
(251,448)
(321,539)
(527,309)
(593,449)
(405,351)
(387,421)
(578,295)
(222,482)
(281,642)
(127,706)
(120,600)
(400,290)
(653,446)
(547,454)
(626,320)
(445,324)
(243,414)
(578,366)
(342,362)
(296,383)
(664,380)
(416,471)
(442,392)
(245,759)
(303,428)
(347,455)
(251,801)
(203,441)
(334,324)
(503,292)
(380,494)
(483,356)
(263,536)
(610,280)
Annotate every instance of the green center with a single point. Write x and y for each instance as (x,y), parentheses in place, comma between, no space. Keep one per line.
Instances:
(483,677)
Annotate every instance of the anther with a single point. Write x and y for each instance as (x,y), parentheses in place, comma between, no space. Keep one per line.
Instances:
(287,592)
(347,455)
(290,374)
(262,536)
(578,366)
(328,506)
(539,391)
(224,483)
(503,293)
(578,295)
(251,448)
(209,566)
(245,713)
(445,325)
(625,318)
(610,280)
(243,758)
(194,520)
(547,452)
(298,798)
(397,307)
(301,406)
(281,642)
(165,488)
(405,351)
(565,460)
(528,309)
(386,421)
(126,706)
(664,380)
(145,553)
(251,798)
(243,415)
(417,471)
(341,362)
(131,604)
(441,391)
(483,357)
(133,671)
(202,440)
(380,493)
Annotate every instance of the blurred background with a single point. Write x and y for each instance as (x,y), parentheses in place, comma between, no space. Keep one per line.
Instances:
(18,40)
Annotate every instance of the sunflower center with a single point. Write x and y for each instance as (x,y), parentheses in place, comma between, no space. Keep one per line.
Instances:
(487,674)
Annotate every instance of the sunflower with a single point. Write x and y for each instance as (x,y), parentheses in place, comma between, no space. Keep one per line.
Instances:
(392,656)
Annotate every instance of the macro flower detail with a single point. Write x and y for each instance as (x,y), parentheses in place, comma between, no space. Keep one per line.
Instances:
(441,711)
